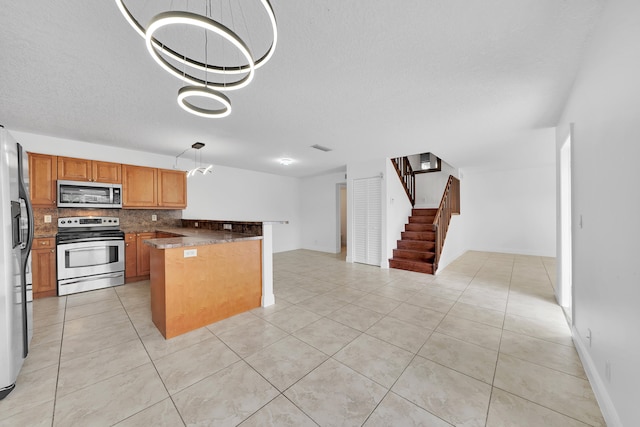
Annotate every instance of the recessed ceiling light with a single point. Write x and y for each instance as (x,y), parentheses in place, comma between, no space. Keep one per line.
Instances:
(285,161)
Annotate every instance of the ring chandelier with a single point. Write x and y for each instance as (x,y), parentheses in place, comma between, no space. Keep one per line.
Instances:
(163,54)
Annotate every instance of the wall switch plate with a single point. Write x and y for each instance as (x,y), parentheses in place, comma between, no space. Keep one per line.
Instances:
(47,219)
(154,217)
(226,226)
(189,253)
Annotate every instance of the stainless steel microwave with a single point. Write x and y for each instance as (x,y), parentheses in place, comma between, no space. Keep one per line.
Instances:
(80,194)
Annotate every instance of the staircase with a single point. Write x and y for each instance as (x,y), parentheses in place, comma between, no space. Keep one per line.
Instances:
(417,248)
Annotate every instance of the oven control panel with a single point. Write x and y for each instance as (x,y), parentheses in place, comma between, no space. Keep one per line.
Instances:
(88,221)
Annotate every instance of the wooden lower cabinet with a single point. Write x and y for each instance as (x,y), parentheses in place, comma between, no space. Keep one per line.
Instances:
(137,264)
(144,263)
(43,267)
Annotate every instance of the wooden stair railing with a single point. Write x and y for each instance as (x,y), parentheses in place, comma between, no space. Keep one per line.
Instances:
(449,205)
(407,176)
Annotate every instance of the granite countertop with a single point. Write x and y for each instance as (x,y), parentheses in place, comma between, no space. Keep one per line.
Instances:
(196,237)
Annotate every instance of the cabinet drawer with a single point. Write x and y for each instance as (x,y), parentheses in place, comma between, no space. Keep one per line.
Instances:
(46,242)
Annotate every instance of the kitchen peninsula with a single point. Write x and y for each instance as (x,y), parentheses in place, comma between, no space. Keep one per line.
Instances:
(200,276)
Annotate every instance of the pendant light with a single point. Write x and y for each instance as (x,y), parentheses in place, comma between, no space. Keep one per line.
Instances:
(171,59)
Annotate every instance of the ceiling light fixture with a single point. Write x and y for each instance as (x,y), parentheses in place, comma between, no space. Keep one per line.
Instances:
(176,56)
(285,161)
(197,165)
(171,60)
(187,18)
(205,92)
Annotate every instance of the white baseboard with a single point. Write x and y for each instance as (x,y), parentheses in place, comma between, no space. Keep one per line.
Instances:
(602,396)
(268,300)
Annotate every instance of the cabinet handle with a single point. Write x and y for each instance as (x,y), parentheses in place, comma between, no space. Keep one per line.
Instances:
(52,251)
(126,244)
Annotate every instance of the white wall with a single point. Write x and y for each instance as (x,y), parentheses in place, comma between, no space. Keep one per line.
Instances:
(319,210)
(242,195)
(70,148)
(398,210)
(430,186)
(227,194)
(604,108)
(509,210)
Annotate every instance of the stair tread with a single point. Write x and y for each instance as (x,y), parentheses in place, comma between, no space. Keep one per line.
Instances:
(415,250)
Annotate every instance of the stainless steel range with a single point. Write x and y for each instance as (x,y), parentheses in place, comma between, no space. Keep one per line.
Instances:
(90,254)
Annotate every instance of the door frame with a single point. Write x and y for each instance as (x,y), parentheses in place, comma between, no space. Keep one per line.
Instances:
(564,220)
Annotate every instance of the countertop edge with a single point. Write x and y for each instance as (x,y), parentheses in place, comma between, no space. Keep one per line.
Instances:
(198,237)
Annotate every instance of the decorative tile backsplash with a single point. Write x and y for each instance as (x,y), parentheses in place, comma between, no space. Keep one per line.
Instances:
(138,220)
(246,227)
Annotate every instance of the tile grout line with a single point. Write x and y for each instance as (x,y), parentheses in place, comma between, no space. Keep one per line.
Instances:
(152,363)
(495,369)
(55,396)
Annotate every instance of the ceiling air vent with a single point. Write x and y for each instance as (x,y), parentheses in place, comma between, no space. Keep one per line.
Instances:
(321,148)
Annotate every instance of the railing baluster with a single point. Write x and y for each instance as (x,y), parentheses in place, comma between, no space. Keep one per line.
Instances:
(449,205)
(406,175)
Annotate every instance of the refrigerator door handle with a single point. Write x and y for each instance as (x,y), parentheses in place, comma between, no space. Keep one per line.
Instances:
(23,193)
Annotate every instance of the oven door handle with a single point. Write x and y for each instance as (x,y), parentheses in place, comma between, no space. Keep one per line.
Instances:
(102,276)
(91,239)
(89,249)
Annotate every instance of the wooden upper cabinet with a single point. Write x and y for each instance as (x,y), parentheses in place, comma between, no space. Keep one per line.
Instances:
(43,171)
(142,187)
(139,187)
(172,188)
(106,172)
(73,169)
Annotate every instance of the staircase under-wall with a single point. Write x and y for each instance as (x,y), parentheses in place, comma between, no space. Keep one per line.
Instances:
(417,248)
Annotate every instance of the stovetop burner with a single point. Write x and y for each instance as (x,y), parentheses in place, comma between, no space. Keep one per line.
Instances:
(88,228)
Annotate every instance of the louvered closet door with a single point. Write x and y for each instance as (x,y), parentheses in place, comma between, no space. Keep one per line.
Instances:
(367,220)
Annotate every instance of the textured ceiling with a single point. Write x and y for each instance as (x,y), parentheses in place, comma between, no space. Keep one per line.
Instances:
(472,81)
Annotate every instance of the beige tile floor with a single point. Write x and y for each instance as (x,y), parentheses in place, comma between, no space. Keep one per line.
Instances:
(481,344)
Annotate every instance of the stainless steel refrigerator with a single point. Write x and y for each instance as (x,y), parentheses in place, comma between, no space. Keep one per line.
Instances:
(16,220)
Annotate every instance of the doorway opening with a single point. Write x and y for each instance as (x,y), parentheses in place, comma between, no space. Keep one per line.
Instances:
(341,220)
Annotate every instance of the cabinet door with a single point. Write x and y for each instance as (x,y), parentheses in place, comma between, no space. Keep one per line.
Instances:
(73,169)
(139,186)
(144,257)
(43,268)
(106,172)
(43,172)
(130,255)
(172,188)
